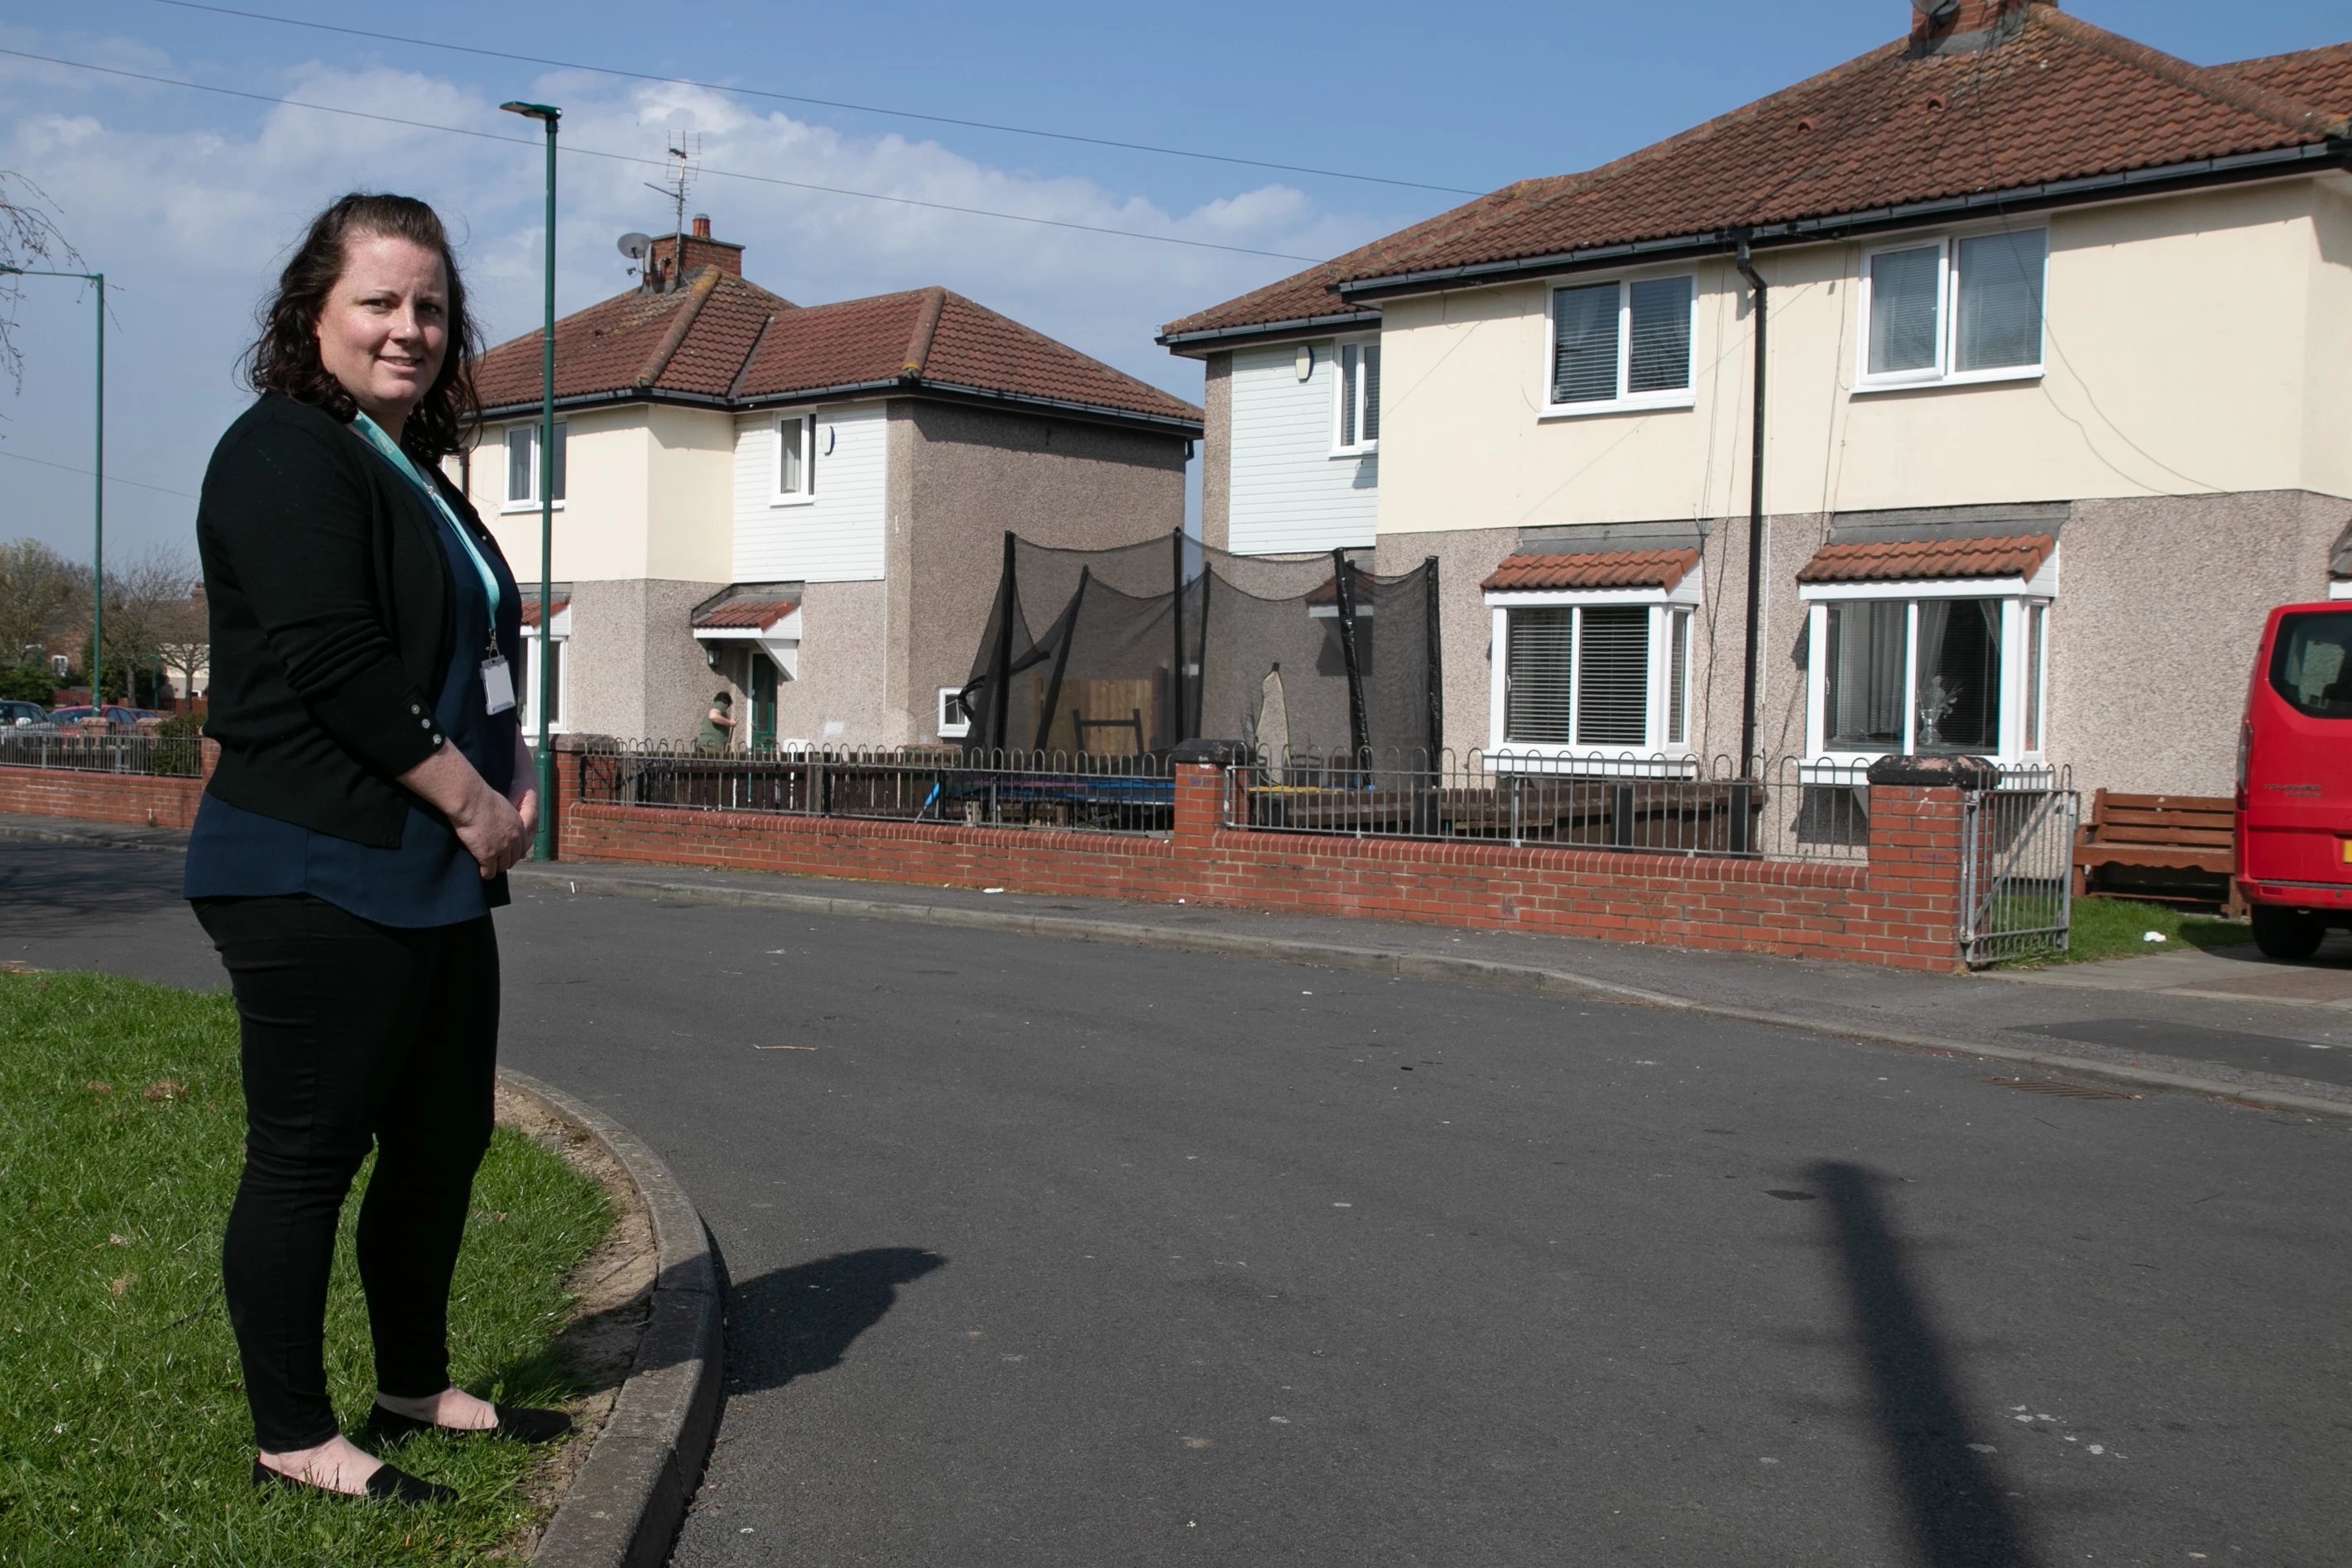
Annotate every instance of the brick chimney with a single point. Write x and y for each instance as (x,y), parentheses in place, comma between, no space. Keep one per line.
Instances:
(676,257)
(1963,27)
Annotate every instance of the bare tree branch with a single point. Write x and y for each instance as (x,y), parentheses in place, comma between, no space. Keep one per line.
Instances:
(29,238)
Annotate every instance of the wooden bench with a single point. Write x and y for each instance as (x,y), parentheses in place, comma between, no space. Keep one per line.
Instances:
(2193,838)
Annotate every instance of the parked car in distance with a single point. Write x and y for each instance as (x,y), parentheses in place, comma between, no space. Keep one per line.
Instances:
(15,715)
(117,717)
(2295,780)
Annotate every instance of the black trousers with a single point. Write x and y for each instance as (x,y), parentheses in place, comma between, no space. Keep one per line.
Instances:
(353,1036)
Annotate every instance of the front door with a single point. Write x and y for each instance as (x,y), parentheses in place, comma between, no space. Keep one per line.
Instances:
(763,700)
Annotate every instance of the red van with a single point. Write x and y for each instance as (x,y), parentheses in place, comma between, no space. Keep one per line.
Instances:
(2295,779)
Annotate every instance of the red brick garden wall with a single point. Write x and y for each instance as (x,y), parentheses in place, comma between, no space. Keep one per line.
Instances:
(150,800)
(1901,909)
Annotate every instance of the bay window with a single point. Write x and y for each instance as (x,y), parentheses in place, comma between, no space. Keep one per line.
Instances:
(1952,310)
(1927,670)
(1621,345)
(1597,675)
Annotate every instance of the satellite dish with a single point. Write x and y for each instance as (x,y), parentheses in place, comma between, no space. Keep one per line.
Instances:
(634,245)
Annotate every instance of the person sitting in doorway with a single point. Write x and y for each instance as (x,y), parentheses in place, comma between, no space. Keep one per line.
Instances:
(717,725)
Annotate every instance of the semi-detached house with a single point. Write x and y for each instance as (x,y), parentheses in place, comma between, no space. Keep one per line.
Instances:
(2055,376)
(804,506)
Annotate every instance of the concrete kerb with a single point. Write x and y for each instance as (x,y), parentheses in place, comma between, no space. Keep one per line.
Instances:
(628,1499)
(1411,966)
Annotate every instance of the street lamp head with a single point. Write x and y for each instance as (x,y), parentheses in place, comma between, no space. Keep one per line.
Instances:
(546,111)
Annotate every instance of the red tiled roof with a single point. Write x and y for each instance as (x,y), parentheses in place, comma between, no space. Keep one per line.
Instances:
(934,337)
(720,337)
(757,615)
(557,605)
(1602,569)
(1912,560)
(2321,78)
(2059,99)
(691,340)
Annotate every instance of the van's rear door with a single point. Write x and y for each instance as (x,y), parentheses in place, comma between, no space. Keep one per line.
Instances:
(2299,754)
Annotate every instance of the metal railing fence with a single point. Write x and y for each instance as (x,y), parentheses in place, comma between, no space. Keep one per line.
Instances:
(2016,884)
(1789,809)
(103,751)
(913,784)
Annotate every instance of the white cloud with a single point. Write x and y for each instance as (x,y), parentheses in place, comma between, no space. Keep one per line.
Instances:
(189,202)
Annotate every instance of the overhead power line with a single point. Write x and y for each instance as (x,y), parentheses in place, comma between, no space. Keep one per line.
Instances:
(821,102)
(111,478)
(575,150)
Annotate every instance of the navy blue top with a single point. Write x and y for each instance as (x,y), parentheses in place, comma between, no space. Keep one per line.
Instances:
(430,880)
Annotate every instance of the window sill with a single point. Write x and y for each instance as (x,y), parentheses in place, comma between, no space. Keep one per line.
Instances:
(1648,404)
(1339,452)
(515,509)
(1964,378)
(793,501)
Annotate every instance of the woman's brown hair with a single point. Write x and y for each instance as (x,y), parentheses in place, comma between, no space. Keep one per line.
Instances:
(285,359)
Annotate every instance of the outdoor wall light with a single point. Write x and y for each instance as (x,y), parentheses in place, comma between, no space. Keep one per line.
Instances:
(1306,360)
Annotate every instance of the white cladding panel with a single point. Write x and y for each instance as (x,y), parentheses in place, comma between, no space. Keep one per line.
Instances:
(1287,492)
(836,537)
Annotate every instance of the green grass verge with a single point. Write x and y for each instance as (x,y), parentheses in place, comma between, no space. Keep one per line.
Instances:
(124,1436)
(2118,928)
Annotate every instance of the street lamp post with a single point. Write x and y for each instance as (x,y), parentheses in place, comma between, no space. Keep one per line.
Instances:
(97,495)
(544,847)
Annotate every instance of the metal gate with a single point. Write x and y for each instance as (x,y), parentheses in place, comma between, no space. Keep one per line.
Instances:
(2016,872)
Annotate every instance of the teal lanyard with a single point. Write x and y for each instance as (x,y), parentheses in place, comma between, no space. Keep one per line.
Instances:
(390,451)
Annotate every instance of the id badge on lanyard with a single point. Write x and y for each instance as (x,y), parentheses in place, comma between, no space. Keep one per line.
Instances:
(497,681)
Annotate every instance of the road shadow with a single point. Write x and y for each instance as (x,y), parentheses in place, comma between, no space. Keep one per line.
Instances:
(791,1323)
(1955,1505)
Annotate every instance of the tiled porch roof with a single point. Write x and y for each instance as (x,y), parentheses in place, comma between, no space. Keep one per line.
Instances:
(1604,568)
(557,604)
(739,614)
(1908,561)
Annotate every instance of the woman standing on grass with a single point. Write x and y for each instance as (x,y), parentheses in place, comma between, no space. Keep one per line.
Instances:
(372,792)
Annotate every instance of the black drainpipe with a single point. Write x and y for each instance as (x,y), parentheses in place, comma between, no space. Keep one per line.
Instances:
(1755,530)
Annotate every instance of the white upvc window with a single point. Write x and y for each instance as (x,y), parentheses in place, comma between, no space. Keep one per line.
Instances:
(1593,675)
(1951,310)
(955,719)
(1356,397)
(1623,344)
(522,465)
(795,459)
(526,674)
(1928,669)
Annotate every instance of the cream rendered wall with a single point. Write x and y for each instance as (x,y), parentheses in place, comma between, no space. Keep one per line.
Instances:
(1284,490)
(646,496)
(2186,352)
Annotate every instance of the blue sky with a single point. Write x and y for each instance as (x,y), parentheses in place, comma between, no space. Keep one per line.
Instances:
(187,199)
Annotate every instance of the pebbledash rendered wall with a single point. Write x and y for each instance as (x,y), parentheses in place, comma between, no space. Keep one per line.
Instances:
(1900,909)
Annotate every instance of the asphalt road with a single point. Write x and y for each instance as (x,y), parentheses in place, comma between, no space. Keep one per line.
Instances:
(1055,1253)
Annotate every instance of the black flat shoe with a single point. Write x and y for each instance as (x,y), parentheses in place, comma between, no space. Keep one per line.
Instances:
(517,1424)
(385,1482)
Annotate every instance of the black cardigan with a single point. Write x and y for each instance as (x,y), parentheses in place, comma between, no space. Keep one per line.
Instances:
(330,596)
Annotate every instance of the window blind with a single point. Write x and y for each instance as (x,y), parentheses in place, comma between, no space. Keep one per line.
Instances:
(1613,677)
(790,459)
(1584,344)
(1904,285)
(1372,391)
(2000,317)
(1540,658)
(522,463)
(1677,676)
(1661,346)
(1865,694)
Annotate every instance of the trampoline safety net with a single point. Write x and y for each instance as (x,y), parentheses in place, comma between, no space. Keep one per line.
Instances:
(1129,652)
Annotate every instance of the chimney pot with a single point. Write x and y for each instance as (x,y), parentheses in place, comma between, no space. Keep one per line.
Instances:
(702,226)
(1963,27)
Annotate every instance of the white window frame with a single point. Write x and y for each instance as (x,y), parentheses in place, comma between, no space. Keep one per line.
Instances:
(530,503)
(1671,612)
(952,729)
(1548,371)
(1947,314)
(1341,393)
(800,428)
(559,632)
(2017,596)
